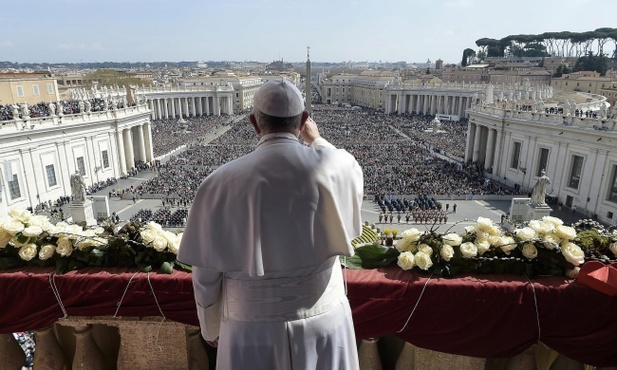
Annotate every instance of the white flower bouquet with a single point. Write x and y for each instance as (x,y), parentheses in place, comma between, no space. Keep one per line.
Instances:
(32,240)
(539,247)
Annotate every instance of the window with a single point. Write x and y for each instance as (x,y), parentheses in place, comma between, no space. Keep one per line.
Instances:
(50,89)
(612,193)
(516,153)
(20,91)
(14,190)
(542,161)
(81,165)
(35,90)
(575,171)
(51,175)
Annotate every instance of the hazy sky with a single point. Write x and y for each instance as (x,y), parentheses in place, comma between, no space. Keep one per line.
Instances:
(266,30)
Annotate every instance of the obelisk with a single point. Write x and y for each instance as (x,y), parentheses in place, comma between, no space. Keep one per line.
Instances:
(307,88)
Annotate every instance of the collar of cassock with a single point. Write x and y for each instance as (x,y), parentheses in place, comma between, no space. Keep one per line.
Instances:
(277,136)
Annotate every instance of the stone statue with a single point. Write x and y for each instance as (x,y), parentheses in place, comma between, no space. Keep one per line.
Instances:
(25,112)
(538,193)
(15,112)
(52,109)
(82,106)
(78,187)
(88,106)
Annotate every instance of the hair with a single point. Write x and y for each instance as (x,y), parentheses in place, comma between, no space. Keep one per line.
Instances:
(270,124)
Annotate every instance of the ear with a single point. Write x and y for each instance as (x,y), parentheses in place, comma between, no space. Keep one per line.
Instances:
(253,122)
(305,116)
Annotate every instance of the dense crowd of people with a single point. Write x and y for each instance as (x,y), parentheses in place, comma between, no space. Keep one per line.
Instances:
(73,106)
(397,153)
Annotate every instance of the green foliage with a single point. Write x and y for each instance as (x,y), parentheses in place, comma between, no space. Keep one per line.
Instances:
(591,62)
(561,70)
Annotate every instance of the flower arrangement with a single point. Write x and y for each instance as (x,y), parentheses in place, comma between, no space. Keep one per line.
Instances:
(32,240)
(538,247)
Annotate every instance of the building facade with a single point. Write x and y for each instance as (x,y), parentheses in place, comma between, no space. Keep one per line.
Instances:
(27,88)
(577,152)
(38,155)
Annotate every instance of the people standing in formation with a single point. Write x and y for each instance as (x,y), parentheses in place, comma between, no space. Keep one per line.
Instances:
(264,235)
(419,210)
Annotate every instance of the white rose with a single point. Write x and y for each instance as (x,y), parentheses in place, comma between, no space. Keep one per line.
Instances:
(551,241)
(565,232)
(154,226)
(65,247)
(469,250)
(148,236)
(554,220)
(5,236)
(38,220)
(482,235)
(494,231)
(526,233)
(484,224)
(507,244)
(530,251)
(423,260)
(470,229)
(405,245)
(32,231)
(159,243)
(98,230)
(446,252)
(542,227)
(28,252)
(21,215)
(452,239)
(169,236)
(412,234)
(74,229)
(494,240)
(47,251)
(174,246)
(612,247)
(406,260)
(424,248)
(573,253)
(13,227)
(482,245)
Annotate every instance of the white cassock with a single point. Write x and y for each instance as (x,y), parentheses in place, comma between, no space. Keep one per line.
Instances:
(263,236)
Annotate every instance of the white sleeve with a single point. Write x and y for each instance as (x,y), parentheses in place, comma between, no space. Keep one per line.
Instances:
(207,287)
(320,142)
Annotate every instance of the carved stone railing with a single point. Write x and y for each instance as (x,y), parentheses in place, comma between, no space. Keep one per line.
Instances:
(107,343)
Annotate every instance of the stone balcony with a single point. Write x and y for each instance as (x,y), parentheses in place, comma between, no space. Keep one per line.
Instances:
(108,343)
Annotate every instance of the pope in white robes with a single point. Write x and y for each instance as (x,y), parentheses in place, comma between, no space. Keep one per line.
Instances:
(264,236)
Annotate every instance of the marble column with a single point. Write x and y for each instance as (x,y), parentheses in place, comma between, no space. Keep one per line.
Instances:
(207,101)
(490,149)
(121,156)
(471,134)
(141,145)
(172,104)
(166,103)
(147,133)
(217,106)
(476,144)
(401,103)
(128,149)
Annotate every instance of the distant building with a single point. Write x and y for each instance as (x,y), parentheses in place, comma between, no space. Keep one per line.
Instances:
(585,81)
(31,88)
(366,89)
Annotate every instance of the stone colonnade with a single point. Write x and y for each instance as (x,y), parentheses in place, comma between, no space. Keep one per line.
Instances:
(482,144)
(134,144)
(429,102)
(171,107)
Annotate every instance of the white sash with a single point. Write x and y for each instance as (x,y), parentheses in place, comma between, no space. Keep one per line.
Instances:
(283,299)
